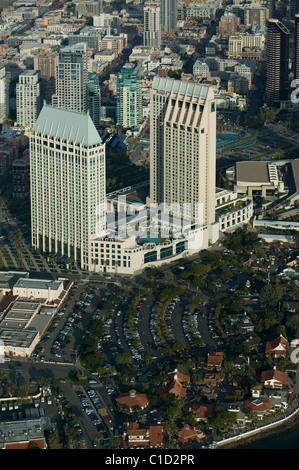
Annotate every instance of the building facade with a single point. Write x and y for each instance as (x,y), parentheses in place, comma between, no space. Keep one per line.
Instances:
(296,52)
(183,146)
(28,98)
(277,54)
(4,95)
(67,175)
(129,98)
(169,13)
(152,26)
(94,99)
(71,79)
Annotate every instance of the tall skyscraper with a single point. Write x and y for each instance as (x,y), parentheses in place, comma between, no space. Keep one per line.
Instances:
(71,79)
(169,15)
(46,64)
(277,53)
(183,146)
(94,99)
(67,176)
(4,94)
(28,98)
(129,98)
(152,26)
(296,52)
(294,8)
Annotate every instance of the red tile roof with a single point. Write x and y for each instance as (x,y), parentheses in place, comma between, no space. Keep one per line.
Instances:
(211,378)
(256,387)
(273,346)
(188,433)
(156,435)
(133,400)
(203,411)
(215,358)
(151,436)
(274,374)
(257,404)
(24,445)
(180,377)
(174,387)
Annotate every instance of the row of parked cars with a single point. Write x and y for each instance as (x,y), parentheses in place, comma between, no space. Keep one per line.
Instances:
(191,336)
(91,404)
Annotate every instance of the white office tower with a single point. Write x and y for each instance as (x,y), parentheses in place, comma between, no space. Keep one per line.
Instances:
(67,178)
(169,15)
(4,95)
(28,98)
(152,26)
(72,79)
(183,147)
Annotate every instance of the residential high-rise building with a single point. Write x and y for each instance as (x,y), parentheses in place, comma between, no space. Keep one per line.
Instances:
(183,146)
(46,64)
(129,98)
(229,24)
(67,178)
(94,99)
(28,98)
(294,8)
(169,15)
(88,7)
(277,53)
(4,94)
(296,52)
(256,15)
(152,26)
(71,79)
(21,178)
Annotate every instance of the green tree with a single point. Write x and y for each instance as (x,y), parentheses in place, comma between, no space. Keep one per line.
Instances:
(114,442)
(223,420)
(123,359)
(271,295)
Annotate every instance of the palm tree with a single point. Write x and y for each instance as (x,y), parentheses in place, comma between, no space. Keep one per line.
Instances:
(10,389)
(99,436)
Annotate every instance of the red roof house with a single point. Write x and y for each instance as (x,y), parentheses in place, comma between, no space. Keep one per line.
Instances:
(188,433)
(274,378)
(214,360)
(132,400)
(278,347)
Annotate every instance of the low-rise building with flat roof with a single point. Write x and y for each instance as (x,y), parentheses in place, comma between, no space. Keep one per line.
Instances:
(24,430)
(27,309)
(259,176)
(38,289)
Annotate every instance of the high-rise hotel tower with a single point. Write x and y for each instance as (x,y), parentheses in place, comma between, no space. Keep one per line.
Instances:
(72,79)
(67,178)
(183,147)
